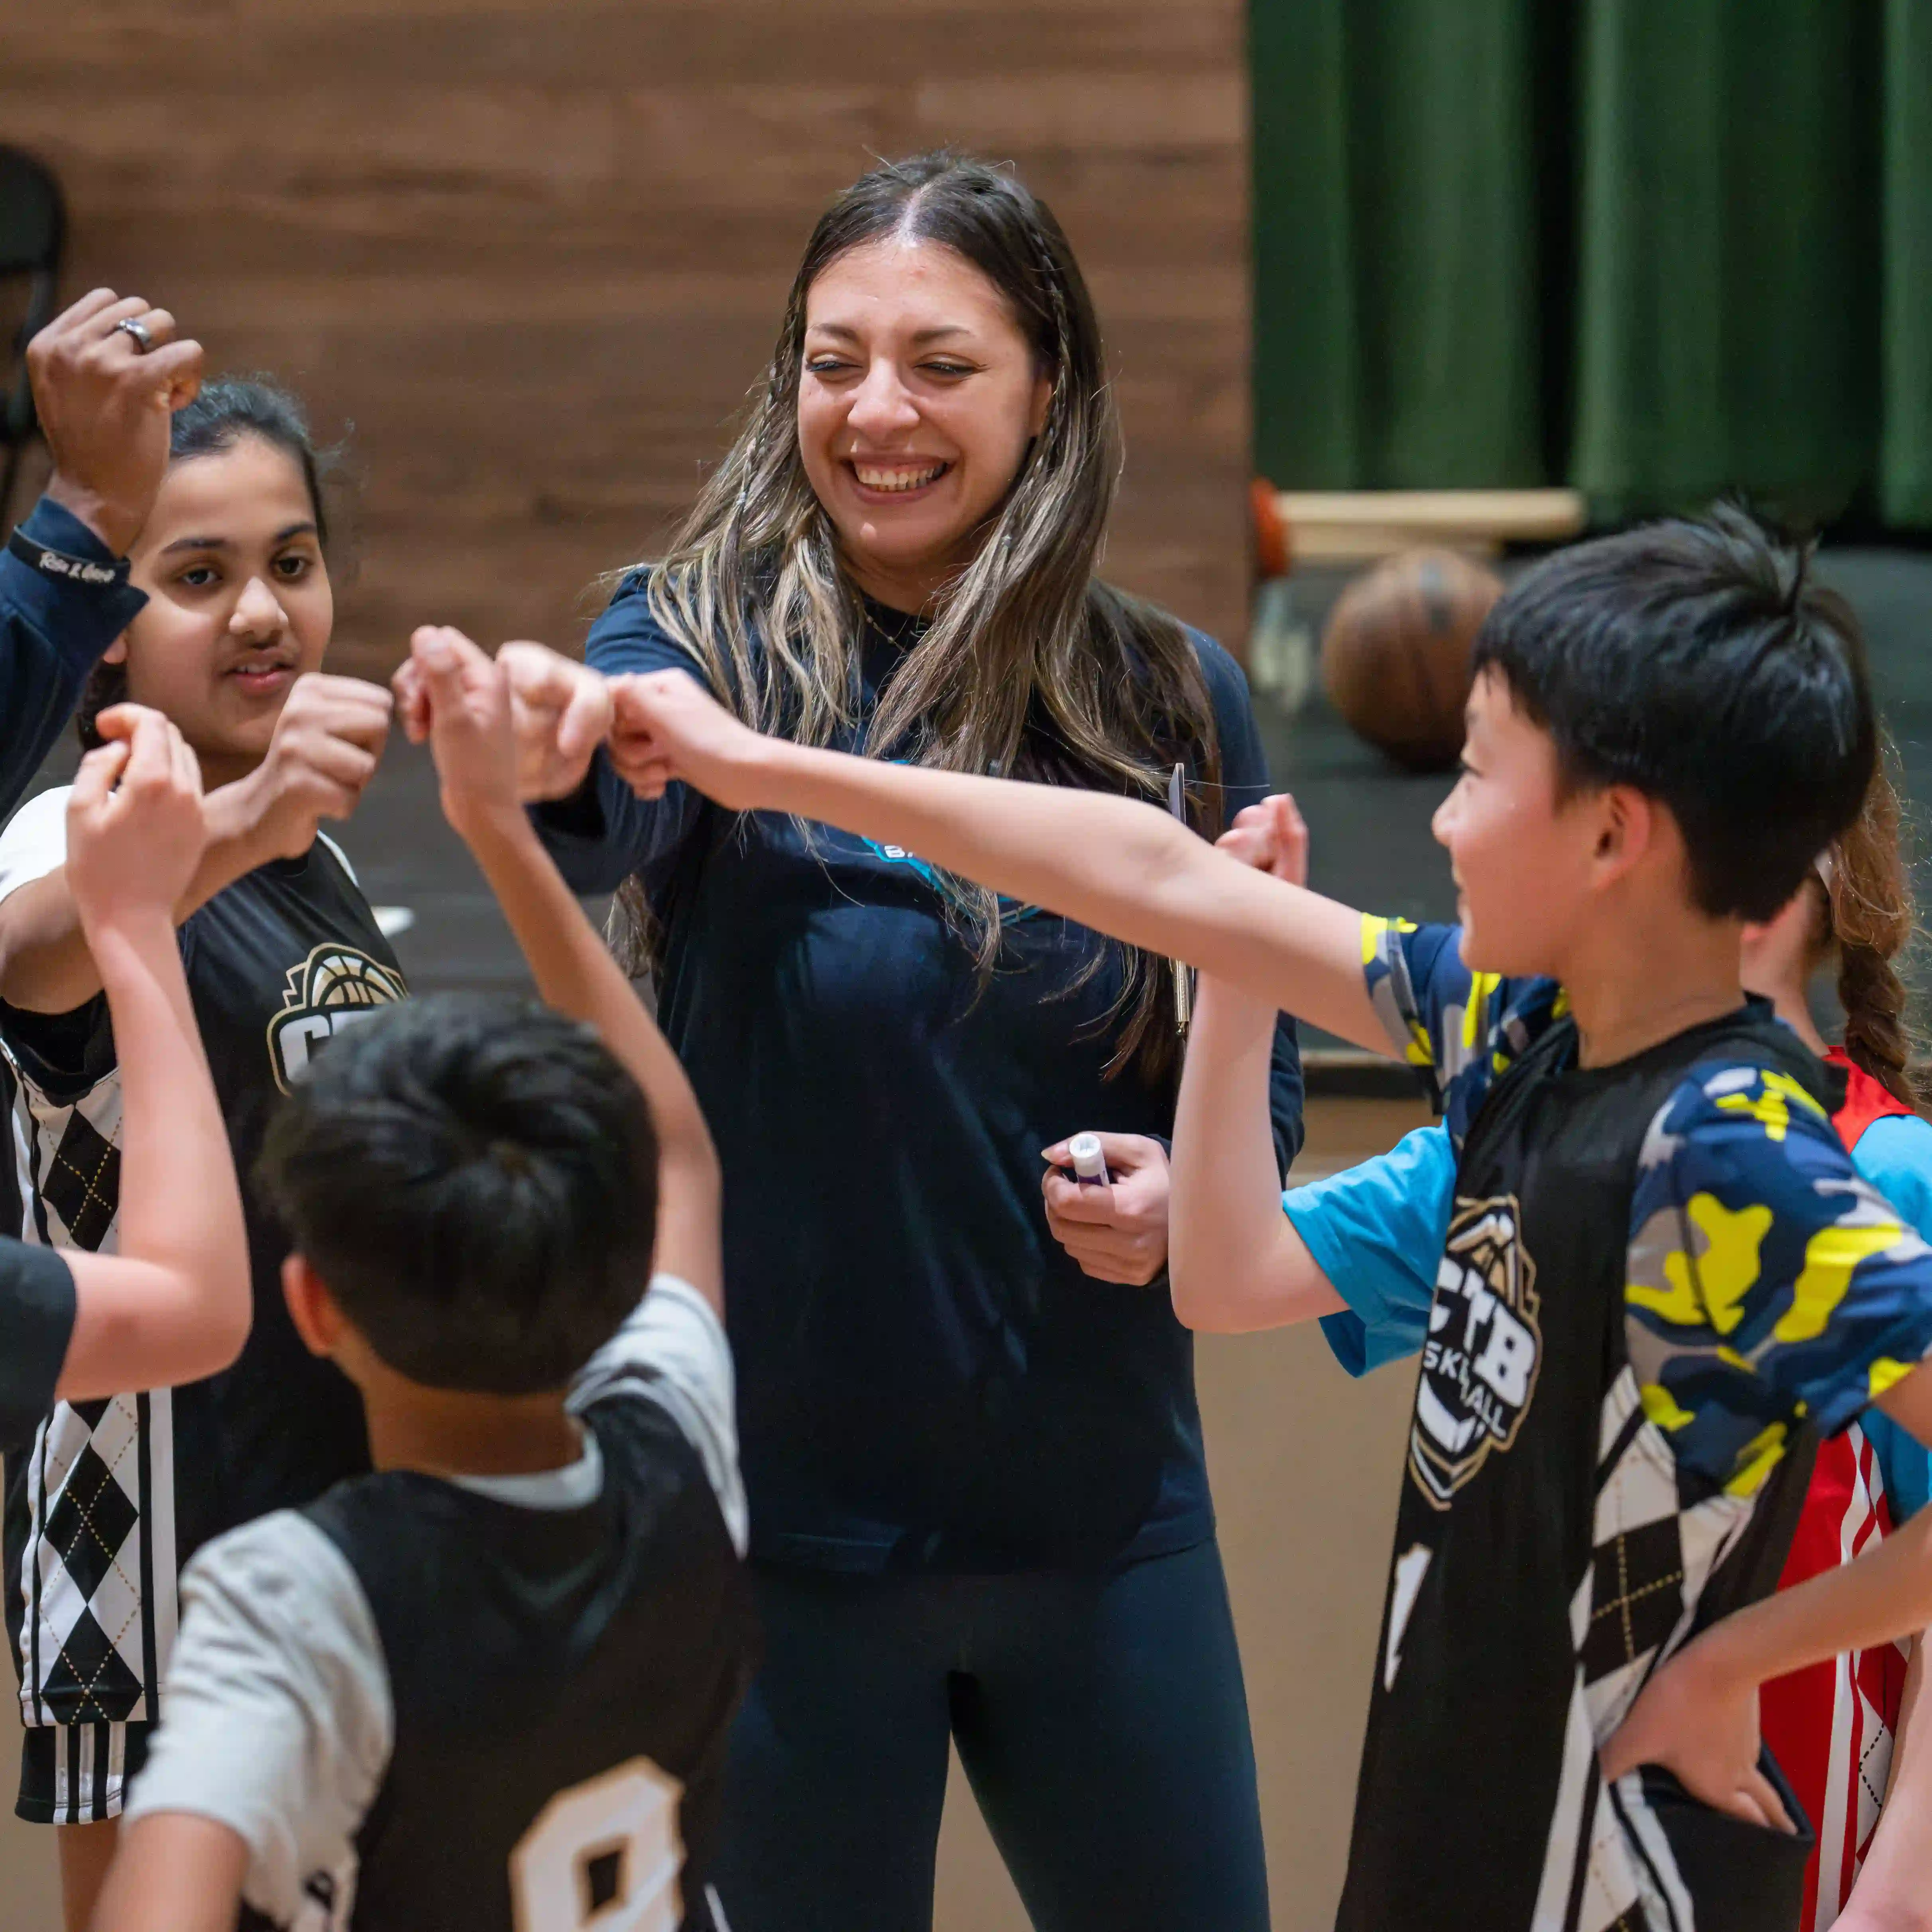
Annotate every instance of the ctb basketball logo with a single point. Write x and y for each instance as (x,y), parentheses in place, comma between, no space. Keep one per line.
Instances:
(333,988)
(1479,1362)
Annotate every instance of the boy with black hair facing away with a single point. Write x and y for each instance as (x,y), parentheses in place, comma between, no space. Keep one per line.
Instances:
(1662,1270)
(488,1685)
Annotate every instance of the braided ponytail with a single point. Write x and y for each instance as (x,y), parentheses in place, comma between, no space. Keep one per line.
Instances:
(1870,922)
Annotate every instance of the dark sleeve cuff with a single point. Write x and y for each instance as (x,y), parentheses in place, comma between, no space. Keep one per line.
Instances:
(59,529)
(37,1305)
(77,620)
(579,815)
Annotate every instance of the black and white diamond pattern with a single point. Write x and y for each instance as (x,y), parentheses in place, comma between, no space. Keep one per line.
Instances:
(81,1183)
(1652,1554)
(85,1607)
(1637,1593)
(100,1478)
(90,1522)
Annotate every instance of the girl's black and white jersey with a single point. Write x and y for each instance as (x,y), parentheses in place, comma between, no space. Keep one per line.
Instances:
(489,1704)
(113,1496)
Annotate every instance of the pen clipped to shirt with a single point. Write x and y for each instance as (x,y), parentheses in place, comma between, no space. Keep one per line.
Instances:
(1183,974)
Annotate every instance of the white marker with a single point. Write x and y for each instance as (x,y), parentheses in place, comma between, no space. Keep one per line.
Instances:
(1089,1164)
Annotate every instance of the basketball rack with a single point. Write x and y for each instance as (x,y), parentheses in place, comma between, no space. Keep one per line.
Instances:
(1341,526)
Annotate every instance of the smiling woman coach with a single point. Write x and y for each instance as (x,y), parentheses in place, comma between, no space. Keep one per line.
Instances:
(979,1505)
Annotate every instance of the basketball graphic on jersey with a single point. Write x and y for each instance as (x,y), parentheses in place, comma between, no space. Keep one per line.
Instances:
(335,986)
(1484,1347)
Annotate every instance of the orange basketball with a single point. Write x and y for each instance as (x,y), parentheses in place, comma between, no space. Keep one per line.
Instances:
(1395,658)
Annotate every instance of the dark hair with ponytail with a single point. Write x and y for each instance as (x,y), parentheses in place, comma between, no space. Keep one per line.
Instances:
(225,411)
(1869,924)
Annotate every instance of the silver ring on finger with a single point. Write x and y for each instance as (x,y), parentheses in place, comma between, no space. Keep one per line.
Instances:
(137,333)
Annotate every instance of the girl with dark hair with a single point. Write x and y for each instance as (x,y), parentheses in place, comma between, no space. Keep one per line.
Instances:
(1839,1729)
(281,949)
(979,1499)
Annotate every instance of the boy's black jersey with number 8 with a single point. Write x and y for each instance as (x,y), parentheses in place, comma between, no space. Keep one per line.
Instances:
(499,1705)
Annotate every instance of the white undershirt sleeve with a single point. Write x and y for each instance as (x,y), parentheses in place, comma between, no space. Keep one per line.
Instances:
(672,1350)
(34,842)
(276,1717)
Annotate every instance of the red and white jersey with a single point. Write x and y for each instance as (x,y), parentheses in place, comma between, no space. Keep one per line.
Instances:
(1830,1726)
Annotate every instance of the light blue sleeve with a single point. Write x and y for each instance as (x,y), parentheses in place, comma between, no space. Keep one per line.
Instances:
(1376,1231)
(1895,1154)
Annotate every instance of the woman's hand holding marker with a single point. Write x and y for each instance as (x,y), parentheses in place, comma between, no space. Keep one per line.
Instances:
(1114,1223)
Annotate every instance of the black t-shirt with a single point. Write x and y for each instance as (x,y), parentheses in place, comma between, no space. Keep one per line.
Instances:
(484,1703)
(36,1323)
(119,1493)
(927,1380)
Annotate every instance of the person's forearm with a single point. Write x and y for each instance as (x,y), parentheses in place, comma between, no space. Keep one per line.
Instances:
(174,1872)
(1234,1260)
(1894,1891)
(1879,1597)
(186,1312)
(1123,867)
(576,975)
(46,963)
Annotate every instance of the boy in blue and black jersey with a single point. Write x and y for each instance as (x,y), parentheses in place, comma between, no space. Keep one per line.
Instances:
(1662,1273)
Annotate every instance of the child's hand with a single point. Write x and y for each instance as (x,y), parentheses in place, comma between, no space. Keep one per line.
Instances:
(666,726)
(134,830)
(1699,1722)
(1271,837)
(560,710)
(467,704)
(327,743)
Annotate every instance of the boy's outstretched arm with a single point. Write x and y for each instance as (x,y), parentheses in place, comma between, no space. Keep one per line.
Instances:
(173,1305)
(472,736)
(1121,867)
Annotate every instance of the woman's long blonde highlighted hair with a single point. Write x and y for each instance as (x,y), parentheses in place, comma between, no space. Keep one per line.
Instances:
(1030,667)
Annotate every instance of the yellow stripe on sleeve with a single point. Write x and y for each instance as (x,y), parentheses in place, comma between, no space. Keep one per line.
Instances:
(1832,1256)
(1756,1461)
(1886,1373)
(1662,1407)
(1709,1291)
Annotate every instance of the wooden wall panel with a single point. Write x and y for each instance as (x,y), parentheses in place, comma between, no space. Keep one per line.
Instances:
(534,250)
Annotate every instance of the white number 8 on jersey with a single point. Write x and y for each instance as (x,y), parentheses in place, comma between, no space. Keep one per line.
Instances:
(604,1856)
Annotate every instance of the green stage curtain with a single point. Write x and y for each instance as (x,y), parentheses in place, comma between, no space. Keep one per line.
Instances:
(1905,468)
(1655,248)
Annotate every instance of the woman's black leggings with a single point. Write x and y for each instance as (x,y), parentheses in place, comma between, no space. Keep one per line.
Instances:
(1100,1717)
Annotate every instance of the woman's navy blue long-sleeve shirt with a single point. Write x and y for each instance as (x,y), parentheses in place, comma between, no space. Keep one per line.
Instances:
(926,1379)
(53,629)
